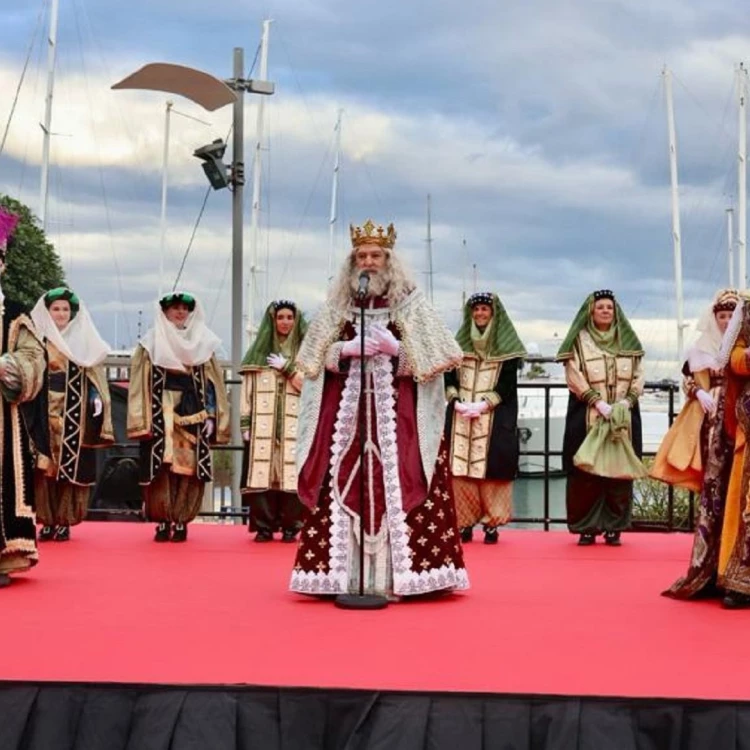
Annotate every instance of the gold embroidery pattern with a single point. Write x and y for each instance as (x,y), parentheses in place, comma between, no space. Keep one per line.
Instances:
(75,416)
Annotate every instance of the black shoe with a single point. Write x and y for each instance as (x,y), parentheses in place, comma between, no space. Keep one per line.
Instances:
(467,534)
(612,538)
(586,539)
(289,537)
(264,536)
(735,600)
(162,532)
(490,534)
(62,533)
(4,580)
(46,533)
(180,532)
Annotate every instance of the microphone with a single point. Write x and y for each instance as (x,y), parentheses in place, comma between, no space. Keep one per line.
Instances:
(364,283)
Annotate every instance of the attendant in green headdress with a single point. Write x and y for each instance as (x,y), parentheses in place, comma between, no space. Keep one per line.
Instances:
(269,411)
(76,398)
(603,367)
(482,416)
(178,410)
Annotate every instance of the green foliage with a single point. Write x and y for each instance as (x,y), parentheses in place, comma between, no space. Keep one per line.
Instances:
(33,264)
(223,460)
(651,502)
(536,371)
(223,466)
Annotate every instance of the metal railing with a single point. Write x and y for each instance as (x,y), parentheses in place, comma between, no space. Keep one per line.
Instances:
(547,475)
(547,520)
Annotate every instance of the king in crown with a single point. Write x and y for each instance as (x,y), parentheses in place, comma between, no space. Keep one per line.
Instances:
(406,349)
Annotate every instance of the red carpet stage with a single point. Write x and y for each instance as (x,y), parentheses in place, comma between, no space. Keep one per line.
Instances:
(543,618)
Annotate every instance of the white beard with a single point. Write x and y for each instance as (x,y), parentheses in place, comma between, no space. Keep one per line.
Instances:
(379,282)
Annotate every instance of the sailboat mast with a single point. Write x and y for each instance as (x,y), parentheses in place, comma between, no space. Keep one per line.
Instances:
(47,124)
(252,287)
(430,289)
(164,183)
(676,235)
(465,265)
(333,217)
(742,177)
(730,245)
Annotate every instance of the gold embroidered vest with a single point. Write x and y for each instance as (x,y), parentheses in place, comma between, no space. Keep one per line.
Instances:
(471,437)
(273,432)
(611,375)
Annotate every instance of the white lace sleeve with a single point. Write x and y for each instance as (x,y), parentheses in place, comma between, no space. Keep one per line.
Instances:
(333,357)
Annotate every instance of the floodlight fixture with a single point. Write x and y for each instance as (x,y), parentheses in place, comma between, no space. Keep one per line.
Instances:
(216,171)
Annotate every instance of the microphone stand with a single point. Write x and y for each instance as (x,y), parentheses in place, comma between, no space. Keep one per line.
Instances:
(360,600)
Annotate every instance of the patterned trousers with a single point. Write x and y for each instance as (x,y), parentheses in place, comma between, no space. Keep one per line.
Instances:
(486,501)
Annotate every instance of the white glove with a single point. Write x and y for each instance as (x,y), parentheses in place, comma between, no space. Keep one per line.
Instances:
(624,402)
(603,408)
(706,401)
(246,436)
(461,407)
(209,426)
(353,348)
(475,409)
(98,406)
(387,342)
(478,408)
(277,361)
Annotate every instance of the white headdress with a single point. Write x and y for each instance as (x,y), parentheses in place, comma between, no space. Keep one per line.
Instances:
(79,341)
(178,348)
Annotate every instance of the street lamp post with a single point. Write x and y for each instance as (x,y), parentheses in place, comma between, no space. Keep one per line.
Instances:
(238,180)
(211,94)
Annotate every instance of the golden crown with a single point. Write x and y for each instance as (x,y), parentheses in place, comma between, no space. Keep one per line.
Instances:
(370,233)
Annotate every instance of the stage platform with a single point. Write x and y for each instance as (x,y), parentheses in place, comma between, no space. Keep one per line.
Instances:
(553,643)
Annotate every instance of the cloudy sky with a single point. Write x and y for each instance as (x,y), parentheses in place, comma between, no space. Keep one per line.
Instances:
(538,128)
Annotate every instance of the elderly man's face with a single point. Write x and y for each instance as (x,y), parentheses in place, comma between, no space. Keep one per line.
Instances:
(370,257)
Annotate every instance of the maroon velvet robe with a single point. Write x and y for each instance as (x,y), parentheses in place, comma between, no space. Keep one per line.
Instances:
(417,521)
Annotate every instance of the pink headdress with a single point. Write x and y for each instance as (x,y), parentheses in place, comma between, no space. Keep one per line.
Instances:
(8,222)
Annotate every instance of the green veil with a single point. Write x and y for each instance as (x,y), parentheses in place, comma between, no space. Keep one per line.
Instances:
(502,340)
(267,341)
(619,340)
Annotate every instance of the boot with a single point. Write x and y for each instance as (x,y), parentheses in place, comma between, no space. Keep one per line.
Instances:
(735,600)
(264,535)
(4,580)
(180,532)
(46,533)
(62,533)
(467,534)
(490,534)
(289,536)
(612,538)
(586,539)
(162,532)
